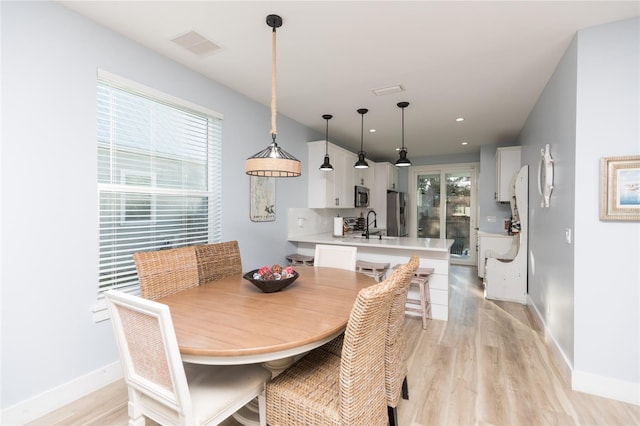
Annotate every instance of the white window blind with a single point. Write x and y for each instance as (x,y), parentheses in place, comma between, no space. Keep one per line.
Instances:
(159,177)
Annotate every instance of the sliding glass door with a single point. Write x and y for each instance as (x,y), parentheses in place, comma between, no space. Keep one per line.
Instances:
(444,206)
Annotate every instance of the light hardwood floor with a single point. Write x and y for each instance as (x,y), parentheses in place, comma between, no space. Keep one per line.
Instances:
(487,365)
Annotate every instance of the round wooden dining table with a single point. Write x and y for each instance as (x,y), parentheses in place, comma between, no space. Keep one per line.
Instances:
(231,321)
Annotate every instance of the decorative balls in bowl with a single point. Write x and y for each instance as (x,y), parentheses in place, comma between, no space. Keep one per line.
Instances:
(271,279)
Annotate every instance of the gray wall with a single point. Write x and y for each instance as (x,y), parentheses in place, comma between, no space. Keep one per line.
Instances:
(551,261)
(588,292)
(48,186)
(607,273)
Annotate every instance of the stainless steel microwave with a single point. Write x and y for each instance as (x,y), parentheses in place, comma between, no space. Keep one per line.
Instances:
(361,196)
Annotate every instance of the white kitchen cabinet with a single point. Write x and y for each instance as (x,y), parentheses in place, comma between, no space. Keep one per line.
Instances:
(507,165)
(500,243)
(365,177)
(330,189)
(392,176)
(386,177)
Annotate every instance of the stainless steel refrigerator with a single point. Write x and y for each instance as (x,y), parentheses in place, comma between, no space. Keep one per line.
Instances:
(396,214)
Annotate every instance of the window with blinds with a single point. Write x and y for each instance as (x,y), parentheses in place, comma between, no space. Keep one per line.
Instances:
(159,177)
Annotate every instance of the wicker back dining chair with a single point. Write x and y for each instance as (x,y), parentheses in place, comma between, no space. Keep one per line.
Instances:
(160,386)
(216,261)
(395,360)
(165,272)
(395,355)
(325,389)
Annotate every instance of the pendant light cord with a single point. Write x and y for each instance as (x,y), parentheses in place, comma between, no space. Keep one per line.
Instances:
(403,128)
(361,130)
(274,130)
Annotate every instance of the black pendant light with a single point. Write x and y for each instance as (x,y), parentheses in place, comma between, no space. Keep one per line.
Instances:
(362,163)
(273,161)
(403,161)
(326,165)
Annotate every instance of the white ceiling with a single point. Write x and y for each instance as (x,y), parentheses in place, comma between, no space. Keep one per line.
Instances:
(485,61)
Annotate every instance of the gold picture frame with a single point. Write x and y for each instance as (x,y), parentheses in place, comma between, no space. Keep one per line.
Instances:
(620,188)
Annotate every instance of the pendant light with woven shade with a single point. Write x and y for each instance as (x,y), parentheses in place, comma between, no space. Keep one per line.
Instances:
(362,163)
(273,161)
(403,161)
(326,165)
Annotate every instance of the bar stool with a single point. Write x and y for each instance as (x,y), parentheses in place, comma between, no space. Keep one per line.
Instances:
(377,271)
(296,259)
(422,305)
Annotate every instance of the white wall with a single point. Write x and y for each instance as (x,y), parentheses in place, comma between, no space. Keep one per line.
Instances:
(588,293)
(49,198)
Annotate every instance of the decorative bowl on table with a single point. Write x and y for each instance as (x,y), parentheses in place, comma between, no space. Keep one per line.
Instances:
(273,279)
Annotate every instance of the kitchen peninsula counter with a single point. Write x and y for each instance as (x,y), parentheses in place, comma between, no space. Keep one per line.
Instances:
(355,239)
(433,253)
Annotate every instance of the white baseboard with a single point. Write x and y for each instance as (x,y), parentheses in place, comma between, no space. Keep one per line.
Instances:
(33,408)
(581,381)
(606,387)
(560,360)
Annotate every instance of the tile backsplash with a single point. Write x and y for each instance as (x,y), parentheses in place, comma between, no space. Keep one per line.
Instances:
(302,221)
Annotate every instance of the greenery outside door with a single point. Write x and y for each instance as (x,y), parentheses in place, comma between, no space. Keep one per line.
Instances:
(452,216)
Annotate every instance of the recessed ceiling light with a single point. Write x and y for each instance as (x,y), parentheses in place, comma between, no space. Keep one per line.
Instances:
(372,130)
(465,143)
(459,119)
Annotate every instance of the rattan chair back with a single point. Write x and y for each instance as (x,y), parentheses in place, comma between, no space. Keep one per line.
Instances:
(395,357)
(217,261)
(325,389)
(164,272)
(362,394)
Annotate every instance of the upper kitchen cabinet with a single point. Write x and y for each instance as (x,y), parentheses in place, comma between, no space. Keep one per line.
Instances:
(330,189)
(365,177)
(386,175)
(507,165)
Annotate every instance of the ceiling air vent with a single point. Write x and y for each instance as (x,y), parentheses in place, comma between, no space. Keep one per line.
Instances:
(387,90)
(196,43)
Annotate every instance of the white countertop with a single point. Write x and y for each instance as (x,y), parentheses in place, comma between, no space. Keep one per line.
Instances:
(354,239)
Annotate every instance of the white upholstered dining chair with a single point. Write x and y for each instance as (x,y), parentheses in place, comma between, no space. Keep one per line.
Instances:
(343,257)
(164,389)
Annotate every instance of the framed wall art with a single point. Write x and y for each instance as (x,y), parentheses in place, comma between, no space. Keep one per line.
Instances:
(263,199)
(620,188)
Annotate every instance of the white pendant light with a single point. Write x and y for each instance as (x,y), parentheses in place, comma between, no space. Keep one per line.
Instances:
(326,165)
(403,161)
(273,161)
(362,163)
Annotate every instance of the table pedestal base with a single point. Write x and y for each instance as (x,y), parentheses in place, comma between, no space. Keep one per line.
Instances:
(249,414)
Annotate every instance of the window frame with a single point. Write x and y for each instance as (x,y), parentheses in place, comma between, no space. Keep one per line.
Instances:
(213,177)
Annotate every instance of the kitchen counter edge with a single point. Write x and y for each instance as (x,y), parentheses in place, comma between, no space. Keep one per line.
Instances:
(403,243)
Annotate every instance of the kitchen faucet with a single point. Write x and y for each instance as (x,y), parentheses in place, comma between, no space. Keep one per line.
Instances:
(375,223)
